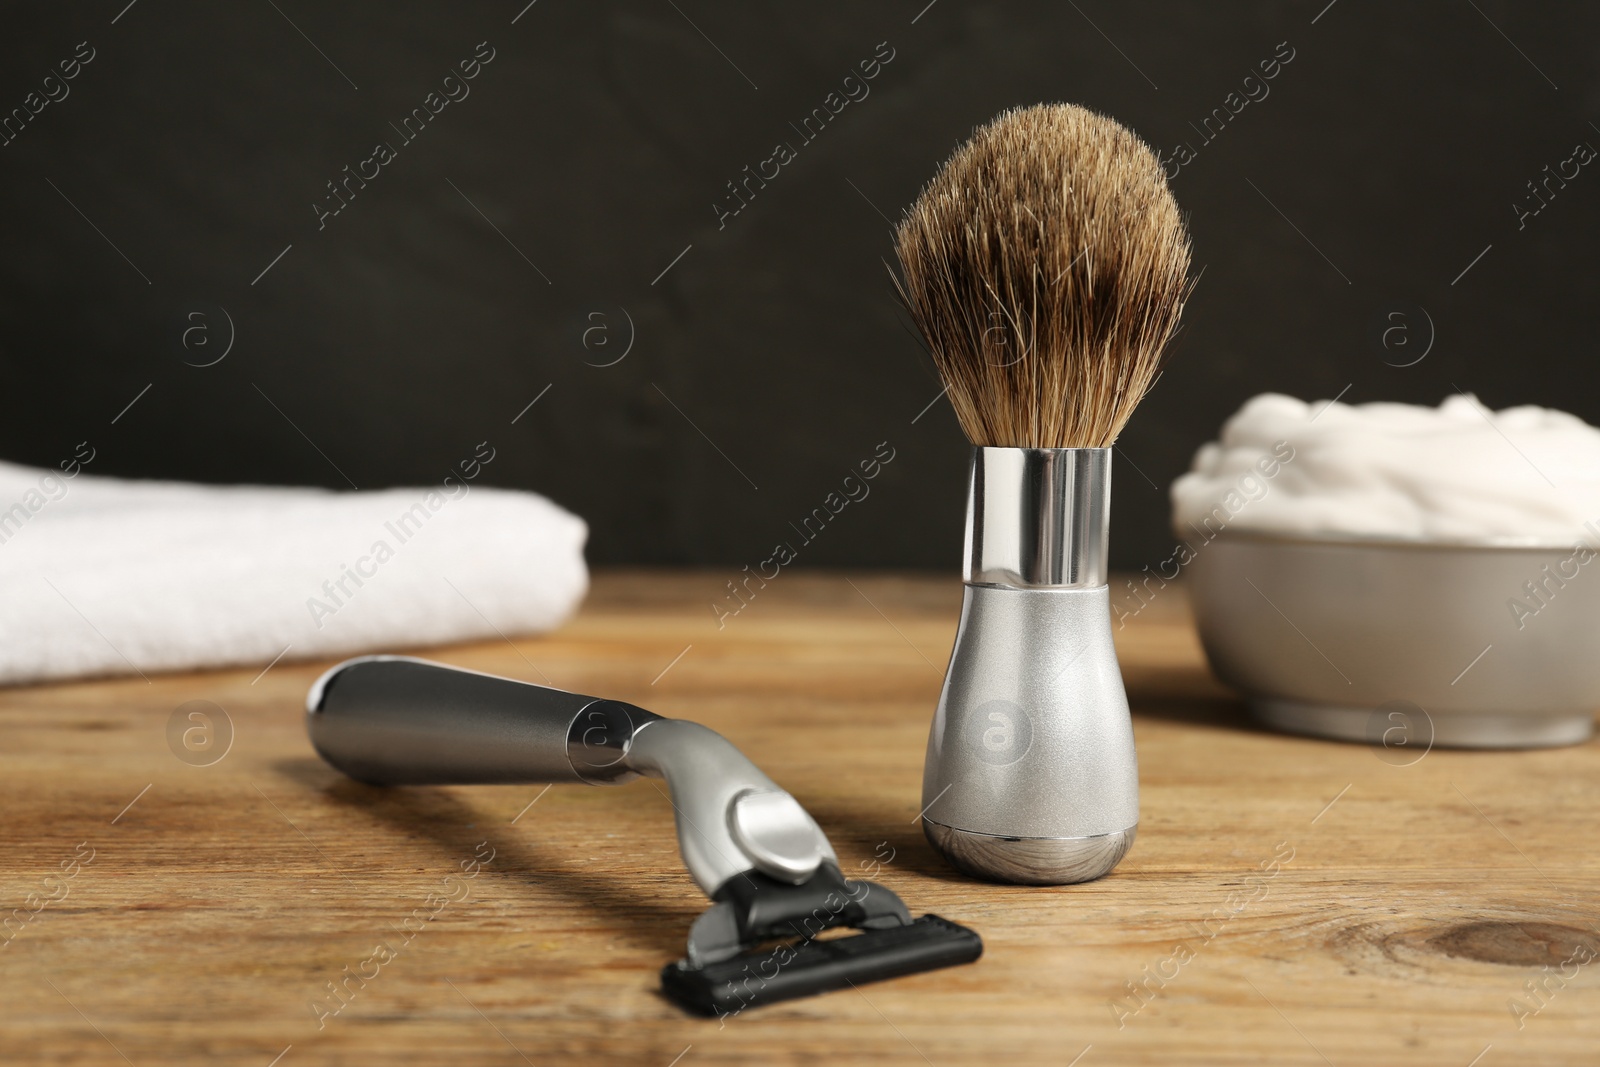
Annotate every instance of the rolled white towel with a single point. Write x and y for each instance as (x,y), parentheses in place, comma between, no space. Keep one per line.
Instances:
(112,576)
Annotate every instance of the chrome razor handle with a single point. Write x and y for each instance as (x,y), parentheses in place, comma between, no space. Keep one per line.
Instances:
(393,720)
(1031,775)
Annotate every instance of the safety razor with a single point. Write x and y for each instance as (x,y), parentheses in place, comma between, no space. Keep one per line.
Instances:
(748,844)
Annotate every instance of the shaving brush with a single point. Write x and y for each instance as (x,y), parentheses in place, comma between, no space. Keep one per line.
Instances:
(1046,266)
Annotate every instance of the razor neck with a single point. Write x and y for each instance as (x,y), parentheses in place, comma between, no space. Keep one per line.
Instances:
(732,819)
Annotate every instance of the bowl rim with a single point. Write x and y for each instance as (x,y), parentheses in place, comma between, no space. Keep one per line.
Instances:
(1352,540)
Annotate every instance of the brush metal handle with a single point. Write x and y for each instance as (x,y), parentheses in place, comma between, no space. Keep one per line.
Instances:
(393,720)
(1031,774)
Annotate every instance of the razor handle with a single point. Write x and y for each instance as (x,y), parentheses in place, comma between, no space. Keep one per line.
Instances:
(393,720)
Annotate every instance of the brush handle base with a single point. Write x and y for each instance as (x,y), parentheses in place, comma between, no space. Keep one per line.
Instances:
(1031,774)
(1030,860)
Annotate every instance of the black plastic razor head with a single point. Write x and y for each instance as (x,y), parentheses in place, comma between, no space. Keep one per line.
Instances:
(813,966)
(725,973)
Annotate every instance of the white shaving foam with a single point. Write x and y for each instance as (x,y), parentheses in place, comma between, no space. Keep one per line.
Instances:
(1456,473)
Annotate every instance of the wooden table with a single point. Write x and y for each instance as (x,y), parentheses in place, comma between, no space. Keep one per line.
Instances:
(196,914)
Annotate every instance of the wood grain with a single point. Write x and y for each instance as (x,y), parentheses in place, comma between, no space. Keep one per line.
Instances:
(1407,910)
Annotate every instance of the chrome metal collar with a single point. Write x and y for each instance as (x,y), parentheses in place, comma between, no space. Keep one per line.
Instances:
(1038,518)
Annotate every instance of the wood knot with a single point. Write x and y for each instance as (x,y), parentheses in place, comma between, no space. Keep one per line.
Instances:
(1515,944)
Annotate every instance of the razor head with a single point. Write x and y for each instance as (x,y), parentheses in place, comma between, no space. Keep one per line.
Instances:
(727,971)
(813,966)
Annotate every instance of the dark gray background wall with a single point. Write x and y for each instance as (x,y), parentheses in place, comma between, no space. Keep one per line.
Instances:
(572,190)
